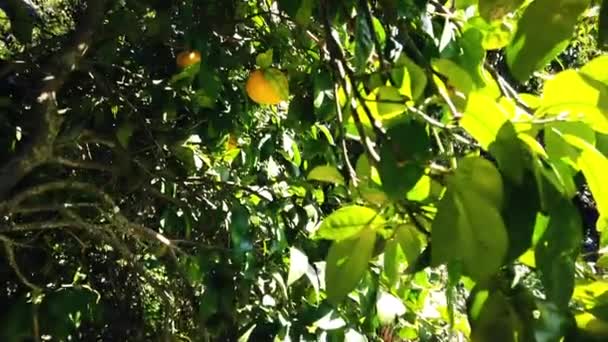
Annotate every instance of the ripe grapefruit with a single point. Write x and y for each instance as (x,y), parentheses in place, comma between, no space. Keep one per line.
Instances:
(267,86)
(187,58)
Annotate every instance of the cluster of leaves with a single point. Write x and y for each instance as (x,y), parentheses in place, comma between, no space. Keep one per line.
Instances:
(417,185)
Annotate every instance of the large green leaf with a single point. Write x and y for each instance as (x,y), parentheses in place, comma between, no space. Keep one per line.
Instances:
(348,221)
(542,33)
(589,103)
(468,227)
(483,118)
(346,263)
(521,207)
(480,176)
(556,253)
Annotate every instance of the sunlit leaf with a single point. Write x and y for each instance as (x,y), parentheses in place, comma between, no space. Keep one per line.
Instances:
(556,253)
(348,221)
(326,173)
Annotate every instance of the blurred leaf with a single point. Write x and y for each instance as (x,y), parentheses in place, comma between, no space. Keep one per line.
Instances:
(410,243)
(326,173)
(530,51)
(347,261)
(264,59)
(393,260)
(348,221)
(496,9)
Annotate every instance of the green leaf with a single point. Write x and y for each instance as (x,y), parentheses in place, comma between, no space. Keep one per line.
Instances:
(495,9)
(593,164)
(394,260)
(530,51)
(364,44)
(124,133)
(410,243)
(485,308)
(348,221)
(457,76)
(483,118)
(326,173)
(387,102)
(264,59)
(496,34)
(298,265)
(403,157)
(520,210)
(472,57)
(479,175)
(468,227)
(558,149)
(556,253)
(416,78)
(346,264)
(304,12)
(596,69)
(589,103)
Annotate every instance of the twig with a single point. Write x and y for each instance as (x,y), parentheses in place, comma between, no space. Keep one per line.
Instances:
(10,253)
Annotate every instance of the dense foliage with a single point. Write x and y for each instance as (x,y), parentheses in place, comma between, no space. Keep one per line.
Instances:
(417,170)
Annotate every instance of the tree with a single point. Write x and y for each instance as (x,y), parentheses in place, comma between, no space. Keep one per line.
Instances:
(303,170)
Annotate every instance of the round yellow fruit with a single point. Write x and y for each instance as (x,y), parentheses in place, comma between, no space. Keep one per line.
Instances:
(187,58)
(267,86)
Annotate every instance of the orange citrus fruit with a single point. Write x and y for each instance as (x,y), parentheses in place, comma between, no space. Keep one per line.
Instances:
(187,58)
(267,86)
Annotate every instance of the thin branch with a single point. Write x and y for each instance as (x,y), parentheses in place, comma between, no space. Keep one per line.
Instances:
(81,164)
(10,253)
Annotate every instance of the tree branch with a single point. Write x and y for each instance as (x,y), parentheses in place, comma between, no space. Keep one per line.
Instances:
(56,71)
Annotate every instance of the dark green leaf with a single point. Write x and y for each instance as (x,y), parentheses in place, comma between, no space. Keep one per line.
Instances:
(346,263)
(556,253)
(530,51)
(364,43)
